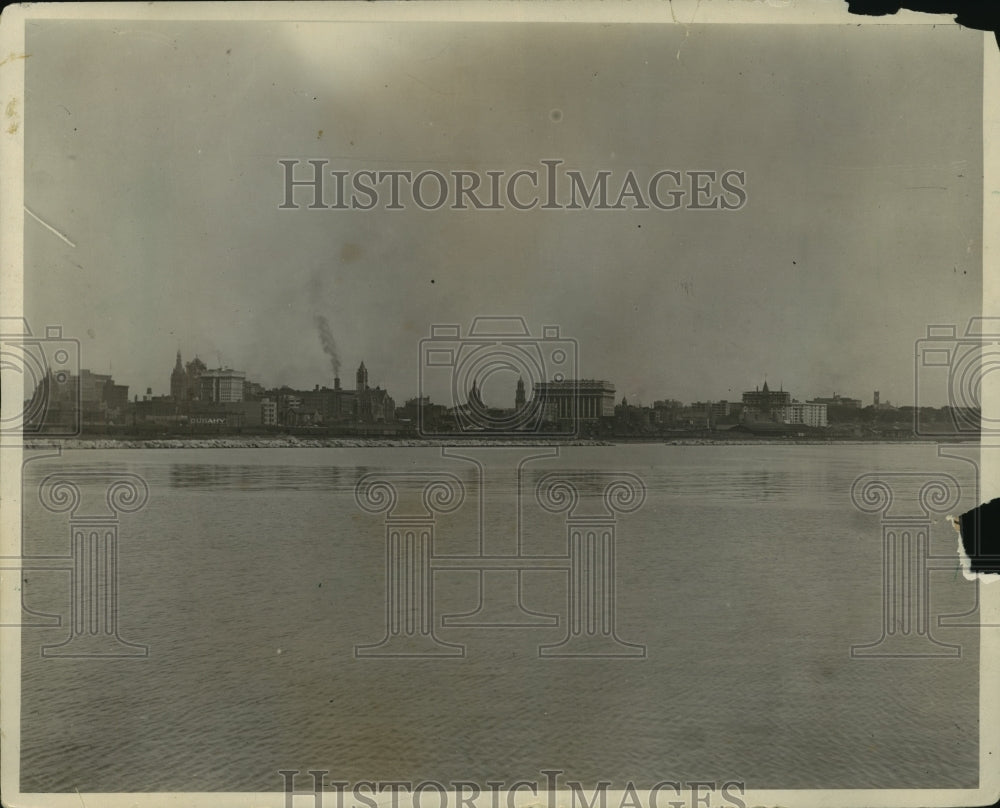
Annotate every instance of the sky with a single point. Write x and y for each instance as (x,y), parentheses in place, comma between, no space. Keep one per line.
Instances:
(152,148)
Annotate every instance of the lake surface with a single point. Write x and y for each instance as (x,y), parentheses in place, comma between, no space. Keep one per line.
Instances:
(252,575)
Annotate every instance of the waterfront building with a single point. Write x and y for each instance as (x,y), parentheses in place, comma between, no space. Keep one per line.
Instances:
(807,413)
(268,412)
(178,381)
(221,386)
(763,404)
(252,391)
(714,409)
(334,405)
(81,399)
(579,399)
(185,379)
(840,401)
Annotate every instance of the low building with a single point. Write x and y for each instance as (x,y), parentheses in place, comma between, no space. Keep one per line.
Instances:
(251,412)
(162,410)
(212,416)
(85,399)
(252,391)
(839,401)
(716,409)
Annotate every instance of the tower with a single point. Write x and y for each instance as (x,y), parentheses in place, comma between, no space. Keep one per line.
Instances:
(519,399)
(362,378)
(193,371)
(875,399)
(178,380)
(475,400)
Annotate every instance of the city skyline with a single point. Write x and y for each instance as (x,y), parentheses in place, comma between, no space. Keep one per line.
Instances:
(225,399)
(164,390)
(856,235)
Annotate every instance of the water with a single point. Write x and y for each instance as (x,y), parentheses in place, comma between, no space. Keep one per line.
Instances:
(252,575)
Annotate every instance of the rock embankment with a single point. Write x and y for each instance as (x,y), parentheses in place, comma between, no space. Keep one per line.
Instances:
(287,442)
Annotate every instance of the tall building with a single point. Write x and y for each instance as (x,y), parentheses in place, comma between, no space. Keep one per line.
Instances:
(519,396)
(184,379)
(193,371)
(365,404)
(221,385)
(372,405)
(268,412)
(87,398)
(808,413)
(475,398)
(178,381)
(764,403)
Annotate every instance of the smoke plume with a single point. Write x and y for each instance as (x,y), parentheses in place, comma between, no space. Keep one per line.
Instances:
(326,340)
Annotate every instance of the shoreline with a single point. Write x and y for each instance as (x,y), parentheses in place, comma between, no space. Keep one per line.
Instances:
(289,442)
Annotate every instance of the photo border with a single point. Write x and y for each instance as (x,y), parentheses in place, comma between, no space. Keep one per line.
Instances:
(680,12)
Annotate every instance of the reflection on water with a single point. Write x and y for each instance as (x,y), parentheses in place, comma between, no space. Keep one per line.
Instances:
(207,476)
(755,484)
(252,575)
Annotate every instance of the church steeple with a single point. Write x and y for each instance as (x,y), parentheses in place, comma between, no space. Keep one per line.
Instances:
(519,398)
(362,377)
(178,380)
(474,398)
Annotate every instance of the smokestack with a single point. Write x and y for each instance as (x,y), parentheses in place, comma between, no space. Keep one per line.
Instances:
(336,383)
